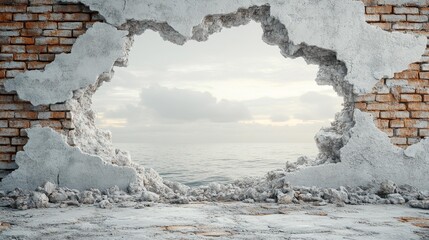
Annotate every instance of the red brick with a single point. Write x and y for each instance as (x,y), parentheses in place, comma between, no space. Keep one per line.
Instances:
(12,49)
(22,40)
(382,123)
(36,49)
(386,106)
(25,57)
(67,8)
(25,17)
(51,115)
(414,123)
(360,105)
(426,98)
(57,33)
(51,17)
(424,75)
(15,8)
(383,25)
(406,132)
(2,74)
(395,114)
(6,57)
(388,131)
(407,74)
(5,157)
(11,25)
(384,98)
(19,141)
(6,98)
(6,115)
(9,132)
(411,98)
(41,25)
(418,106)
(366,98)
(33,32)
(6,149)
(6,17)
(19,123)
(59,49)
(397,123)
(26,115)
(379,9)
(36,65)
(420,114)
(47,41)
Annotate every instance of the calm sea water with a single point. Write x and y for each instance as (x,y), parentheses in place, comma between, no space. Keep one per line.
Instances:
(197,164)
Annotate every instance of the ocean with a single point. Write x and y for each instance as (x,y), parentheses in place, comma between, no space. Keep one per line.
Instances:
(199,164)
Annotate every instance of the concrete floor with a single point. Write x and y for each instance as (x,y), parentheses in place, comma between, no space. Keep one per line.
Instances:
(218,221)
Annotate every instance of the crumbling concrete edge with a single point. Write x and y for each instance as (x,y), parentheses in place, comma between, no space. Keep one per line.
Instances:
(368,157)
(93,55)
(47,157)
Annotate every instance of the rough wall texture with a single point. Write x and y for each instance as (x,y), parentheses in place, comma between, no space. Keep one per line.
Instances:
(321,31)
(400,105)
(32,33)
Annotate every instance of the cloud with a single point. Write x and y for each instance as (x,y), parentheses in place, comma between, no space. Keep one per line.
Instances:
(182,104)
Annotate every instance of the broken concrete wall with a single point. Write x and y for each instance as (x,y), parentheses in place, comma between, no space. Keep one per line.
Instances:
(352,55)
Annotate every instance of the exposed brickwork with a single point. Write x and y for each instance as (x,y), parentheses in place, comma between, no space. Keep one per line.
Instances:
(32,33)
(400,105)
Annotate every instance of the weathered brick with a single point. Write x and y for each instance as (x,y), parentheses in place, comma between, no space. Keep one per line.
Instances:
(424,75)
(411,141)
(67,124)
(25,17)
(77,17)
(407,74)
(407,26)
(22,40)
(420,114)
(414,123)
(406,132)
(380,123)
(10,33)
(67,8)
(388,131)
(67,41)
(36,65)
(46,123)
(41,25)
(379,9)
(59,48)
(6,149)
(406,10)
(59,107)
(366,98)
(426,98)
(393,18)
(6,115)
(9,132)
(386,106)
(47,41)
(372,18)
(360,105)
(70,25)
(11,25)
(383,25)
(51,17)
(11,106)
(385,98)
(42,2)
(39,9)
(411,98)
(6,98)
(4,17)
(19,141)
(12,65)
(396,123)
(57,33)
(36,49)
(4,141)
(46,57)
(2,74)
(4,40)
(25,57)
(26,115)
(19,123)
(33,32)
(424,132)
(3,123)
(12,49)
(418,106)
(398,140)
(5,157)
(6,56)
(51,115)
(77,33)
(395,114)
(12,9)
(417,18)
(13,73)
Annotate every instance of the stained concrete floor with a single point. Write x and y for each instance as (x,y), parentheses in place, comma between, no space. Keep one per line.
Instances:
(218,221)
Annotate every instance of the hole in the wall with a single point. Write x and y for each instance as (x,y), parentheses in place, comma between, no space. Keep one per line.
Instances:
(227,108)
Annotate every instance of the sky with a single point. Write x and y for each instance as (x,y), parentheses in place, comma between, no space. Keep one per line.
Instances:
(231,88)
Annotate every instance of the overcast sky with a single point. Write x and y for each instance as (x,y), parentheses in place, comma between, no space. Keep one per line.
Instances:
(232,88)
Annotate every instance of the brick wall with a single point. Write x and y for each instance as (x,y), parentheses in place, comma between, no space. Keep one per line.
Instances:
(400,105)
(32,33)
